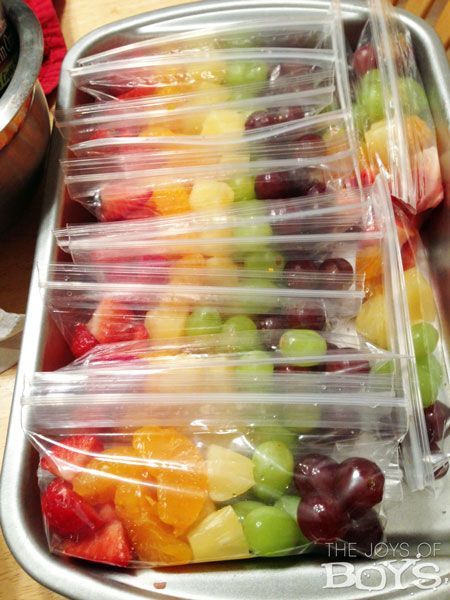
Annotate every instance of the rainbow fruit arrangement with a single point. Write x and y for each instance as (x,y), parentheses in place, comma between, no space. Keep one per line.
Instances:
(238,300)
(160,500)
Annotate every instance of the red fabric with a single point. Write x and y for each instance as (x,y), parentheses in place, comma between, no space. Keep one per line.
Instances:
(54,45)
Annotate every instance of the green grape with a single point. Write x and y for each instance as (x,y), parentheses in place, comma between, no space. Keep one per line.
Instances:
(412,96)
(359,118)
(246,72)
(386,367)
(425,338)
(304,418)
(203,320)
(270,531)
(244,507)
(430,375)
(274,465)
(275,433)
(254,376)
(268,260)
(370,96)
(242,93)
(244,242)
(238,41)
(298,343)
(289,504)
(243,187)
(254,303)
(240,334)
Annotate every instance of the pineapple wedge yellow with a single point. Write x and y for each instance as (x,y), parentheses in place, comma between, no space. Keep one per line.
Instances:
(229,474)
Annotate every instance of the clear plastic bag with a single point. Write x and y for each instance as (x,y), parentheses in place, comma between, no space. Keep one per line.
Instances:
(391,111)
(131,480)
(313,32)
(212,120)
(124,242)
(321,134)
(432,362)
(131,191)
(177,74)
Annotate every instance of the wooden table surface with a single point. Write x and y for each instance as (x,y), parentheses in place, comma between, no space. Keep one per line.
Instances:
(78,17)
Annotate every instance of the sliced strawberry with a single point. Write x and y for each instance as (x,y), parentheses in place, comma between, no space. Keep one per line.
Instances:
(112,322)
(70,454)
(82,340)
(110,546)
(119,204)
(138,92)
(140,332)
(67,513)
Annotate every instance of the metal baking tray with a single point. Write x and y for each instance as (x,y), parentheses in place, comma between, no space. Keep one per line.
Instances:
(421,523)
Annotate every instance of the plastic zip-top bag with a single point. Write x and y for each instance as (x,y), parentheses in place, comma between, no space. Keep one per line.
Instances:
(198,480)
(210,120)
(131,189)
(391,111)
(313,32)
(177,74)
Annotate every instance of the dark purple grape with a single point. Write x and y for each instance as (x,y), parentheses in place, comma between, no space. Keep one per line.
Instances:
(347,366)
(260,118)
(354,229)
(301,182)
(365,533)
(359,484)
(335,268)
(272,327)
(273,185)
(316,188)
(293,369)
(340,417)
(289,113)
(307,315)
(322,519)
(437,416)
(288,225)
(441,471)
(315,473)
(364,59)
(299,274)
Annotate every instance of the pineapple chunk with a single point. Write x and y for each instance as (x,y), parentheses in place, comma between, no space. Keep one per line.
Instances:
(420,297)
(207,195)
(166,322)
(219,122)
(219,537)
(371,321)
(229,474)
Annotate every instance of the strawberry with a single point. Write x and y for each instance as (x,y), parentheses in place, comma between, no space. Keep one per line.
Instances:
(82,340)
(138,92)
(68,514)
(110,546)
(118,204)
(112,322)
(70,454)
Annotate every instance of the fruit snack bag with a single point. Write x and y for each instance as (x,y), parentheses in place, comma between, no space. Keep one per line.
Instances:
(392,113)
(148,479)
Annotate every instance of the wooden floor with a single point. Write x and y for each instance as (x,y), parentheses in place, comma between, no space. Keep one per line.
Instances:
(78,17)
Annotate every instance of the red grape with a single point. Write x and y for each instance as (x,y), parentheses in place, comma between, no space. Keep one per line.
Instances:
(315,473)
(272,327)
(260,118)
(365,533)
(298,273)
(347,366)
(273,185)
(360,485)
(441,471)
(307,315)
(322,519)
(335,267)
(364,59)
(437,416)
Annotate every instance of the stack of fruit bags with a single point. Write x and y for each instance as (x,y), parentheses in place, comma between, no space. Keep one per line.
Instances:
(241,323)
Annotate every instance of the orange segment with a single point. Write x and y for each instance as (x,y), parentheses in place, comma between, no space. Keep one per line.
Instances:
(99,481)
(369,263)
(171,200)
(153,541)
(180,472)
